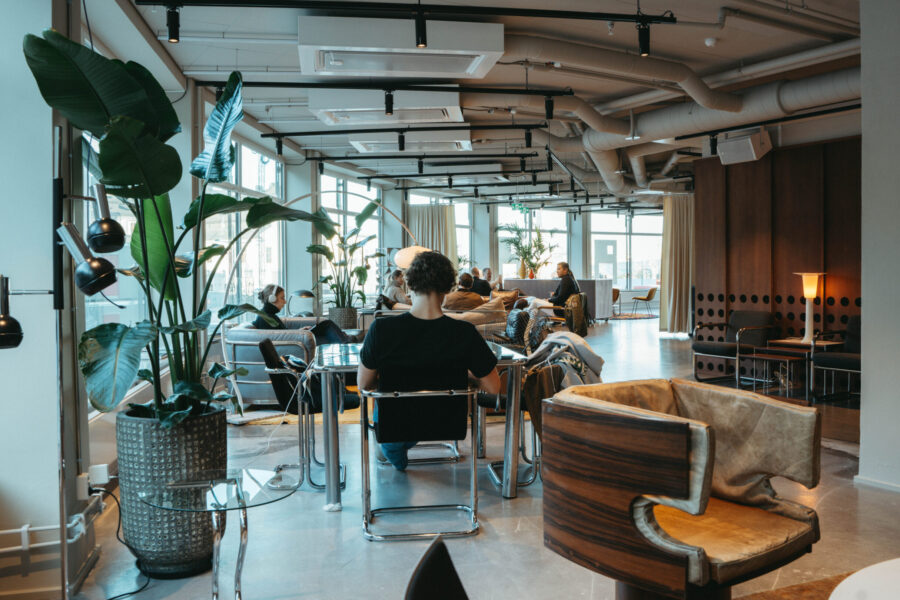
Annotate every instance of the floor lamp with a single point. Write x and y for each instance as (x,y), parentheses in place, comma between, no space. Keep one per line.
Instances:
(810,290)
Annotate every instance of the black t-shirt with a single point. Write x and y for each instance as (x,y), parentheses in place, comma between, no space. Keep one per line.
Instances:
(481,287)
(566,287)
(417,354)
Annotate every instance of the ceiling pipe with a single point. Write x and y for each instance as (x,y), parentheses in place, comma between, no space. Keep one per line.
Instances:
(744,73)
(809,19)
(573,104)
(670,164)
(636,156)
(541,49)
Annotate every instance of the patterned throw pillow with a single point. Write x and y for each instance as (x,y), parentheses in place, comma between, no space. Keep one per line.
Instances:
(516,322)
(536,329)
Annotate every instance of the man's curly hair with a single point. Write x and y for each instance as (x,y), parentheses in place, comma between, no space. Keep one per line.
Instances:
(431,272)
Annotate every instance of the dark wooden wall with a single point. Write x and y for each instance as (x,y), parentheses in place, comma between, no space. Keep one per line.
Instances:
(757,223)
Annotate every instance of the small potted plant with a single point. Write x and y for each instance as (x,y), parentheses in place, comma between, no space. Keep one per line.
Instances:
(181,432)
(347,262)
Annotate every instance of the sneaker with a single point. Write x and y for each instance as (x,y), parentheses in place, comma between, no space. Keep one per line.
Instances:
(379,455)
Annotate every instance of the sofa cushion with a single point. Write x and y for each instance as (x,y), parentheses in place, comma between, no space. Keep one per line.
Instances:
(508,297)
(647,394)
(737,539)
(727,349)
(849,361)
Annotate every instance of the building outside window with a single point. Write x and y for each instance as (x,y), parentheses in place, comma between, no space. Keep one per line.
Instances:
(626,248)
(343,199)
(554,231)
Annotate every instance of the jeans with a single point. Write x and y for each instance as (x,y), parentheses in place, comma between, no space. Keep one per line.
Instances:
(395,452)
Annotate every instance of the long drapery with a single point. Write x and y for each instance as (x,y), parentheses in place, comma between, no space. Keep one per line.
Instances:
(434,226)
(677,264)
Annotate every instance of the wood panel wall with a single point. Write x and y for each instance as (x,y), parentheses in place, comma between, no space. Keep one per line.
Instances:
(756,224)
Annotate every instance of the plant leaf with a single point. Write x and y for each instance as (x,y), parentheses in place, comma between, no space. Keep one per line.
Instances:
(190,390)
(367,212)
(170,418)
(157,250)
(134,163)
(86,88)
(223,396)
(184,263)
(134,271)
(218,371)
(167,120)
(324,225)
(200,323)
(262,214)
(215,162)
(218,204)
(146,375)
(321,249)
(362,274)
(231,311)
(109,357)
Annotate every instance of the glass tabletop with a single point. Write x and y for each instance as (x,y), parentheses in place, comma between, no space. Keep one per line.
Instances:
(222,489)
(505,355)
(337,357)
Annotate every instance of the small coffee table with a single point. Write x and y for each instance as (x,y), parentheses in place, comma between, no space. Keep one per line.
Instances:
(790,362)
(217,492)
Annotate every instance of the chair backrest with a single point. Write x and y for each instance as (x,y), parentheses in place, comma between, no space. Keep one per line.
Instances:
(426,419)
(283,383)
(651,294)
(853,338)
(616,293)
(435,576)
(749,318)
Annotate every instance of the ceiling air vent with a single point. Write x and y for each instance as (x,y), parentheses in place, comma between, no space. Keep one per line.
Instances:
(424,141)
(350,47)
(366,107)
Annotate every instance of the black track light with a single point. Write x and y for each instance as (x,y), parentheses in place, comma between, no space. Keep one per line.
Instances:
(421,37)
(105,234)
(219,92)
(10,330)
(279,146)
(388,102)
(477,195)
(572,184)
(173,23)
(401,142)
(522,163)
(548,107)
(368,185)
(534,179)
(321,168)
(549,160)
(643,29)
(92,274)
(510,198)
(713,145)
(528,138)
(421,166)
(449,181)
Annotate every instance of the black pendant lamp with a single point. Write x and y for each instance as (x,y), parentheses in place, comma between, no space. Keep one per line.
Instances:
(105,234)
(10,330)
(92,274)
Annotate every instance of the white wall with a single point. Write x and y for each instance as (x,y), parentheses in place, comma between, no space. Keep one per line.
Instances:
(880,406)
(28,383)
(483,224)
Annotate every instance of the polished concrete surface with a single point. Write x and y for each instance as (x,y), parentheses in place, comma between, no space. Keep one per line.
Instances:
(296,550)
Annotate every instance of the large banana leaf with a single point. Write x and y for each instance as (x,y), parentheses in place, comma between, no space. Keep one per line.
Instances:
(184,263)
(321,249)
(264,213)
(218,204)
(134,163)
(201,323)
(215,162)
(232,311)
(367,212)
(157,250)
(165,112)
(86,88)
(109,357)
(324,225)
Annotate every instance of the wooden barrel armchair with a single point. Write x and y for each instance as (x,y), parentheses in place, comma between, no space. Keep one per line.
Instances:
(664,485)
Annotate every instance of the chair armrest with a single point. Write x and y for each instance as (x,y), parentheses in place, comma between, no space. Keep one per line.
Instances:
(824,334)
(700,326)
(741,331)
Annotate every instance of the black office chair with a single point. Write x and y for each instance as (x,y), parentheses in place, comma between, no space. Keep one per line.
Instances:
(424,415)
(745,330)
(435,577)
(848,360)
(286,376)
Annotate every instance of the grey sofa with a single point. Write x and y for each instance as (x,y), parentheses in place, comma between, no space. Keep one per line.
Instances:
(240,348)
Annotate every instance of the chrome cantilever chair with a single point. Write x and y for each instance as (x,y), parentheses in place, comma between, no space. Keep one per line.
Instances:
(286,383)
(398,429)
(848,360)
(744,331)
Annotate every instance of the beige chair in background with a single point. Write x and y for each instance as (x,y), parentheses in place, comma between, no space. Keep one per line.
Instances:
(651,294)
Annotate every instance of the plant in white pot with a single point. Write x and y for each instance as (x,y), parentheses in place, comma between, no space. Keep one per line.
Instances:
(181,432)
(347,262)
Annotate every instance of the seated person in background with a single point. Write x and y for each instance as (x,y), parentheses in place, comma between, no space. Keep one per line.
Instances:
(566,287)
(463,298)
(393,295)
(479,285)
(424,349)
(272,298)
(496,284)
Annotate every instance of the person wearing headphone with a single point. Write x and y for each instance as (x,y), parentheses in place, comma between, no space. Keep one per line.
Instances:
(272,297)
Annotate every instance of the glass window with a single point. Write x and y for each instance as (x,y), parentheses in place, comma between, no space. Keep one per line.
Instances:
(647,224)
(259,172)
(627,248)
(554,233)
(608,222)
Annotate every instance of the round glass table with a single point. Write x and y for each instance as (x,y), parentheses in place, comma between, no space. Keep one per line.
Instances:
(217,492)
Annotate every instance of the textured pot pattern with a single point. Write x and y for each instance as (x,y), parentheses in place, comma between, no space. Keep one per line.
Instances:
(168,543)
(345,318)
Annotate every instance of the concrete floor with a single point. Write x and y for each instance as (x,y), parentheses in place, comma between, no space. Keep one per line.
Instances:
(296,550)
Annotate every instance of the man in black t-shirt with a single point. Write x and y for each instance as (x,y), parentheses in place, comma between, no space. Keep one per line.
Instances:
(424,349)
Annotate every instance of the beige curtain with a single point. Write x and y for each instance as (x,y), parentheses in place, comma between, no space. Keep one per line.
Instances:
(434,226)
(676,275)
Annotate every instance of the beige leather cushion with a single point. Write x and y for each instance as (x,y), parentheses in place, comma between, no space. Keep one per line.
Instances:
(737,539)
(649,394)
(507,297)
(489,312)
(494,305)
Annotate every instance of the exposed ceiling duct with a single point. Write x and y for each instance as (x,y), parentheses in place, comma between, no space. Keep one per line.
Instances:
(636,156)
(356,47)
(573,104)
(520,47)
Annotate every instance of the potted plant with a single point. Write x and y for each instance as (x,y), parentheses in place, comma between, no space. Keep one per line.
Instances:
(531,255)
(181,432)
(347,262)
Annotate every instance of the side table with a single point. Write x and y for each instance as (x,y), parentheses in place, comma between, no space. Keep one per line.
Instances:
(788,360)
(796,346)
(217,492)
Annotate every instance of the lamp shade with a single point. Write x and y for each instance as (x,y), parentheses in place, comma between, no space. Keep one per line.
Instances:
(810,284)
(405,256)
(303,294)
(10,330)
